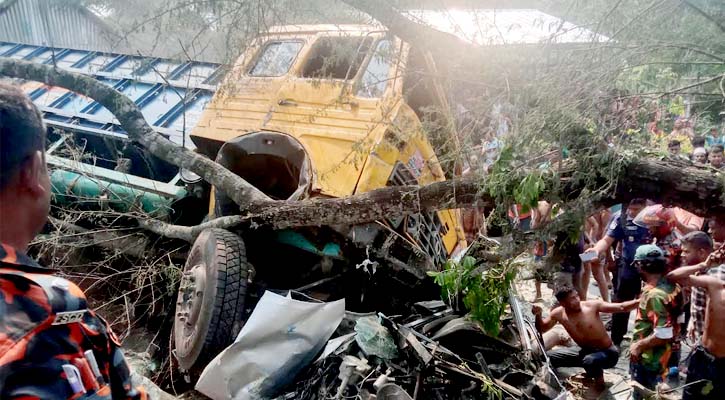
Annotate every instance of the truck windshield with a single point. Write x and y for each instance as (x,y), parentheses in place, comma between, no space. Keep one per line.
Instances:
(336,57)
(276,58)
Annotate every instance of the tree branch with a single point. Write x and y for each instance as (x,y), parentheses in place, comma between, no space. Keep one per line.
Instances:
(690,86)
(411,31)
(135,245)
(187,233)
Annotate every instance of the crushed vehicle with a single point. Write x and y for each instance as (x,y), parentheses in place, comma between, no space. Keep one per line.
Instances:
(306,112)
(435,354)
(310,112)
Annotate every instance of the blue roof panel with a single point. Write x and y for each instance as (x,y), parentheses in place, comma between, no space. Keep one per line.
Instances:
(73,103)
(171,94)
(69,58)
(159,70)
(192,115)
(162,102)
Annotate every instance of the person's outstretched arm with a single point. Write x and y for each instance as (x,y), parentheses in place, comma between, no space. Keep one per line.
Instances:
(707,282)
(543,324)
(626,306)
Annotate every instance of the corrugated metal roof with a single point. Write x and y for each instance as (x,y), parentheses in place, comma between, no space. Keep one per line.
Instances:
(53,23)
(170,94)
(504,26)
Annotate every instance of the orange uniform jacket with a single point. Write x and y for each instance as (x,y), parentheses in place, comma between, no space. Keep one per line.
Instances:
(46,331)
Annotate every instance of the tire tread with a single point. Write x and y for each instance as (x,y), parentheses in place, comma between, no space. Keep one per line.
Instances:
(232,277)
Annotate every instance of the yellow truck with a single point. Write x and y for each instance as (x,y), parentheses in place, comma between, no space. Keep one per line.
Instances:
(308,112)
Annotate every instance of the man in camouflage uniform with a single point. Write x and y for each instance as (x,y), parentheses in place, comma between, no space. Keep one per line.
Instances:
(655,326)
(51,345)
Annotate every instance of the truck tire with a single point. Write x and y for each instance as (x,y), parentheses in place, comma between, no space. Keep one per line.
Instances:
(210,303)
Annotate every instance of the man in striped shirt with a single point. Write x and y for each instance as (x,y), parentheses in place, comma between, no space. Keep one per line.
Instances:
(707,362)
(706,369)
(694,249)
(698,304)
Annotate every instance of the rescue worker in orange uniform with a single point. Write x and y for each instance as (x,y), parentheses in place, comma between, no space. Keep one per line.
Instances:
(52,346)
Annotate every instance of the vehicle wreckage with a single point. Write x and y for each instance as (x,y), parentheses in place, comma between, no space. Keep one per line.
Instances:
(305,112)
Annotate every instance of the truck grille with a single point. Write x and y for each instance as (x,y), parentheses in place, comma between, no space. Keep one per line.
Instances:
(424,229)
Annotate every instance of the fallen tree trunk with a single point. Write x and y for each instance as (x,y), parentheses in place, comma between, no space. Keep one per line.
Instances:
(698,189)
(366,207)
(410,31)
(668,181)
(133,122)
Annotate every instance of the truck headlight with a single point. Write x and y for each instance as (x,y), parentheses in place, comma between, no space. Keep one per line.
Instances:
(188,176)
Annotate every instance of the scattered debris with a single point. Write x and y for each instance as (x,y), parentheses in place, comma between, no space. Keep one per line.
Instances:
(352,371)
(374,339)
(153,391)
(432,353)
(392,391)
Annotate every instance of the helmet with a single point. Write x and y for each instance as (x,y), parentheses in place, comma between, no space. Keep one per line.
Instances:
(649,253)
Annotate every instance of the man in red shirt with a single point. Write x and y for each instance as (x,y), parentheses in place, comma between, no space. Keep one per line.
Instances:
(51,345)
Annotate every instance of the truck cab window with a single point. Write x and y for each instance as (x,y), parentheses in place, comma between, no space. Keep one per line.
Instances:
(276,58)
(376,76)
(336,57)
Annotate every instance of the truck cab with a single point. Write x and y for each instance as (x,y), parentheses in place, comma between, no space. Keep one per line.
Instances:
(324,111)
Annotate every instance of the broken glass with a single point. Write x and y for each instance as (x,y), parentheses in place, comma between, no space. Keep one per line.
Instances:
(336,57)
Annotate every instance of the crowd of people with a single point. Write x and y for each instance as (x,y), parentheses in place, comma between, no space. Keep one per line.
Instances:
(672,273)
(703,149)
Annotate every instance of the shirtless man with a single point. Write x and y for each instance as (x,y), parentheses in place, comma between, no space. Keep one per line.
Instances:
(596,228)
(708,361)
(595,350)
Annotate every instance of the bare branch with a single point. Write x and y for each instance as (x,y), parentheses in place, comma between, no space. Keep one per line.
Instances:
(134,245)
(690,86)
(411,31)
(188,233)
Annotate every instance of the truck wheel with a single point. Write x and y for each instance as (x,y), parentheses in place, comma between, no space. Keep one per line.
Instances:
(210,304)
